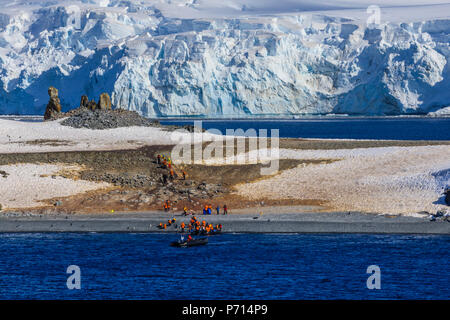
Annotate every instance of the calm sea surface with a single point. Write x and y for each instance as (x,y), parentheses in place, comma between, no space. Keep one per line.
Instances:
(231,266)
(401,128)
(351,128)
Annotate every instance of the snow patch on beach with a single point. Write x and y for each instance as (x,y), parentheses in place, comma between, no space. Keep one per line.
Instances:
(26,185)
(16,136)
(394,180)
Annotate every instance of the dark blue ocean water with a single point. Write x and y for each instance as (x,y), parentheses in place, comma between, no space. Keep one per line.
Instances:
(348,128)
(231,266)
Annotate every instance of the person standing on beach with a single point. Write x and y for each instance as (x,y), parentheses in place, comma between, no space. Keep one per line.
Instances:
(225,209)
(167,206)
(218,209)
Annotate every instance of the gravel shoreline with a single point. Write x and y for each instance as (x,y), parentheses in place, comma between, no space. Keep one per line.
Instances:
(242,223)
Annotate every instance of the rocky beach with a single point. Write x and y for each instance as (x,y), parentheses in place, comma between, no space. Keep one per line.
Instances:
(306,222)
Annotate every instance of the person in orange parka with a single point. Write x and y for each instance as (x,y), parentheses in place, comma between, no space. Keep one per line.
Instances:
(167,205)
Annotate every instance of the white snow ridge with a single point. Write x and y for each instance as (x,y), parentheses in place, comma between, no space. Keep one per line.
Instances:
(227,58)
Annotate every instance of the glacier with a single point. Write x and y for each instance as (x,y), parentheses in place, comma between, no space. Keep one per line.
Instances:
(239,58)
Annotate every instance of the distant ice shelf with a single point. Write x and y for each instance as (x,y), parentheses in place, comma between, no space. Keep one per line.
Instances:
(227,59)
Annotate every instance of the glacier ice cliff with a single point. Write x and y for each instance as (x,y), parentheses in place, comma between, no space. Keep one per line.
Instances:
(161,66)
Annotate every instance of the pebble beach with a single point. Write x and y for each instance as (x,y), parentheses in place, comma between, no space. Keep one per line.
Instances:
(343,222)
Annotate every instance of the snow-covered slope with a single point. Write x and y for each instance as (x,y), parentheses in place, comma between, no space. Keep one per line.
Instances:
(230,58)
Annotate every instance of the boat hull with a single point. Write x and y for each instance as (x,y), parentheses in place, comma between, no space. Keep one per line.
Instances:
(192,243)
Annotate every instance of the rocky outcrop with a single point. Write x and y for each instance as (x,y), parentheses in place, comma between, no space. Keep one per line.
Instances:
(94,115)
(84,101)
(105,119)
(54,106)
(447,196)
(92,105)
(104,103)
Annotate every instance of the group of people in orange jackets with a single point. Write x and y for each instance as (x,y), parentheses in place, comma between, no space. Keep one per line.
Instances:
(166,163)
(197,227)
